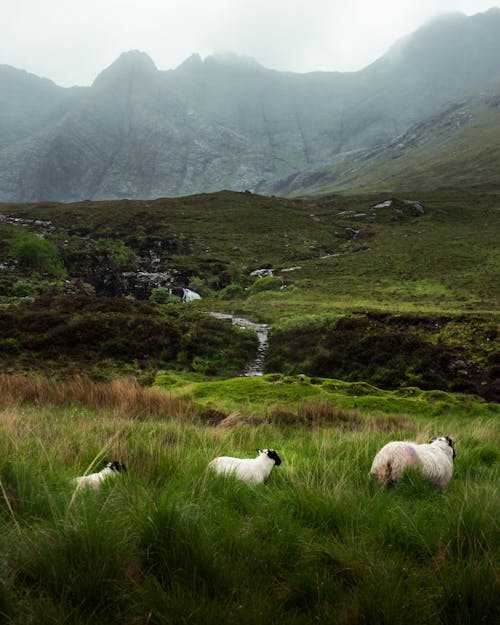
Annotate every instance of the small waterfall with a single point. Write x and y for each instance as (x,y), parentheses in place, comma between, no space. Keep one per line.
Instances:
(256,365)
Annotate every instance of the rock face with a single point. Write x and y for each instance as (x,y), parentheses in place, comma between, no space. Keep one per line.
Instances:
(225,122)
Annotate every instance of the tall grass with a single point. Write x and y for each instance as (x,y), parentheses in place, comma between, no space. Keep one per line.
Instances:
(124,396)
(169,542)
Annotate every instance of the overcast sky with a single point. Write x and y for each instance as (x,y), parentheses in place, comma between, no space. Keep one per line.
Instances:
(71,41)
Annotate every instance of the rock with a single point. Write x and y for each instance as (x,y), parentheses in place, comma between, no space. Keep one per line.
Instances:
(352,233)
(141,283)
(261,273)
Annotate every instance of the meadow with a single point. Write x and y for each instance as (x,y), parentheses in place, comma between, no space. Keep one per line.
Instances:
(386,328)
(168,542)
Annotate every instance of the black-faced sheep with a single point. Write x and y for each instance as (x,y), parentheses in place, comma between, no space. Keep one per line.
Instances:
(249,470)
(433,460)
(94,480)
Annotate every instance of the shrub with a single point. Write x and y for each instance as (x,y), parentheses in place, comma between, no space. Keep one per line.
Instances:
(35,253)
(268,283)
(199,286)
(24,288)
(161,295)
(118,252)
(102,335)
(384,351)
(232,291)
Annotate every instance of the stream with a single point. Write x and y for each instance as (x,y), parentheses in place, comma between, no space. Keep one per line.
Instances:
(256,365)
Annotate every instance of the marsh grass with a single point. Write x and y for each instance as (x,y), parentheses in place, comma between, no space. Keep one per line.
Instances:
(169,542)
(125,396)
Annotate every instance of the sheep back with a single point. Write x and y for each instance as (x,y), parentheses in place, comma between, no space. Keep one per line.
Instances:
(249,470)
(390,462)
(433,460)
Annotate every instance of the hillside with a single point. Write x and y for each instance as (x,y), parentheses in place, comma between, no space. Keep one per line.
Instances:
(226,122)
(459,145)
(392,290)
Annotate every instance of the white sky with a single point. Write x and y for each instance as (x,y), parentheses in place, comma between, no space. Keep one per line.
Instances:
(71,41)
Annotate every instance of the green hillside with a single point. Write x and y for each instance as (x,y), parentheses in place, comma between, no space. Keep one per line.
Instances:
(364,287)
(459,146)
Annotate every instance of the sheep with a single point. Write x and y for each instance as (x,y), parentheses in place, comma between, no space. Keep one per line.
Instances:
(433,460)
(249,470)
(94,480)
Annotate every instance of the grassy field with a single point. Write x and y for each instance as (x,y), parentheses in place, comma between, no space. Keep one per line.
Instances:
(435,276)
(445,260)
(387,323)
(170,543)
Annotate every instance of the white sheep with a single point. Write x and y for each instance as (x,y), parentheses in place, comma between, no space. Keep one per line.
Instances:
(433,460)
(94,480)
(249,470)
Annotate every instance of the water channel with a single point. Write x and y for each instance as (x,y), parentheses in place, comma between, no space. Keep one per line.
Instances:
(256,365)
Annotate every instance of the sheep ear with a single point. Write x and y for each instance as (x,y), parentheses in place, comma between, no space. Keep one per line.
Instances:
(431,440)
(451,443)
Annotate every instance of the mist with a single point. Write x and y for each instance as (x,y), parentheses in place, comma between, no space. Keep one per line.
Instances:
(70,42)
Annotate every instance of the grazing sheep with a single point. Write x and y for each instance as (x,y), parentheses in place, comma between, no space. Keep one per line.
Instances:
(249,470)
(94,480)
(433,460)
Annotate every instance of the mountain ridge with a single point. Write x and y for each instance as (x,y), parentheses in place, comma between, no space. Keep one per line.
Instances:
(228,122)
(459,145)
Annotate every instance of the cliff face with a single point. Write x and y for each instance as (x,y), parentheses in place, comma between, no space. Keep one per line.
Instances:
(225,122)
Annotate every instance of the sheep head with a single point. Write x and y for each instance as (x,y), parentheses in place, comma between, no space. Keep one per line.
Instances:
(116,465)
(448,440)
(271,454)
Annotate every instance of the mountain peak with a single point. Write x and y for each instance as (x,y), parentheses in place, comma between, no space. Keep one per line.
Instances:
(231,59)
(192,62)
(131,64)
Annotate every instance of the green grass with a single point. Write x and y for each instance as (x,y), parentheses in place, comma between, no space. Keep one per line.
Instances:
(171,543)
(442,263)
(259,396)
(444,260)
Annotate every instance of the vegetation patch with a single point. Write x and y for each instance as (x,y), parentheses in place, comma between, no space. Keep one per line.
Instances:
(390,351)
(108,336)
(316,401)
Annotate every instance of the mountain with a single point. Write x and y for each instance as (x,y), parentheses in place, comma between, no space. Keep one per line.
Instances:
(458,145)
(226,121)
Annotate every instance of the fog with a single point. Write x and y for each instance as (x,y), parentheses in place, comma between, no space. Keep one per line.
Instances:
(71,41)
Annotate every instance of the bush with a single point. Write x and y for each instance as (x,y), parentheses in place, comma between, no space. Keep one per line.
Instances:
(161,295)
(384,351)
(24,288)
(35,253)
(199,286)
(118,252)
(106,335)
(232,291)
(268,283)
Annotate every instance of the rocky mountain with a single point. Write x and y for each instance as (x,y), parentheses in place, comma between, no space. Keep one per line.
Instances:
(457,145)
(226,121)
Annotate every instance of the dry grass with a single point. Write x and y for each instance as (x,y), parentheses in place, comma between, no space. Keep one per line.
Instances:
(124,396)
(325,414)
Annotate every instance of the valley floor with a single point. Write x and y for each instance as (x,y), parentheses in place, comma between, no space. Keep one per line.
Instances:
(168,542)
